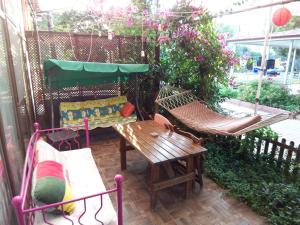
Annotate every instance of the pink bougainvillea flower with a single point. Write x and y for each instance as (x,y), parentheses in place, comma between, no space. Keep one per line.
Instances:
(162,15)
(200,58)
(206,42)
(129,22)
(163,39)
(146,12)
(220,37)
(111,35)
(148,23)
(234,61)
(186,31)
(144,39)
(155,25)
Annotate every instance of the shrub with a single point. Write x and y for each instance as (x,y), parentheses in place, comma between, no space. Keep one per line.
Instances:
(257,182)
(228,92)
(273,95)
(193,55)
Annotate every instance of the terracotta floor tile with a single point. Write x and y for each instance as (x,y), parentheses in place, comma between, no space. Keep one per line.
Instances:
(209,206)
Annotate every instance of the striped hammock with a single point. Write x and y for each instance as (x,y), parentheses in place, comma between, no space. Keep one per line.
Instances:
(197,115)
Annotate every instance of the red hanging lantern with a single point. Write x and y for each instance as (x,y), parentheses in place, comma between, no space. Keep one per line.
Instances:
(281,17)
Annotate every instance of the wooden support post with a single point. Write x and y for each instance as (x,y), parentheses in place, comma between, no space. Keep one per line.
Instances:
(289,158)
(281,151)
(274,148)
(154,177)
(199,167)
(189,168)
(266,149)
(169,170)
(297,160)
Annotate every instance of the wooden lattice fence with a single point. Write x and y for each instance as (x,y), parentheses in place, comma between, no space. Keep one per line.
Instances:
(285,157)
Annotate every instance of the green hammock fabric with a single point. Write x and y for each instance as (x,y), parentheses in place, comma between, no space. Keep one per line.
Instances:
(60,74)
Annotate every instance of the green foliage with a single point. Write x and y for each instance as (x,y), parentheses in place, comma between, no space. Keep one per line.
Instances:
(274,95)
(256,182)
(193,57)
(242,50)
(248,143)
(228,92)
(73,21)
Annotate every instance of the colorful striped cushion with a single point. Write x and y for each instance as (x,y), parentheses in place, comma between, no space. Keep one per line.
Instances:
(50,184)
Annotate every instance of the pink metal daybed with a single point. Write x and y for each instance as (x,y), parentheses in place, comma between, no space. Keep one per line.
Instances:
(93,204)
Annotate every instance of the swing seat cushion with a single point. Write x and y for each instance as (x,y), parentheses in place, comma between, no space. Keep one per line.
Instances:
(101,112)
(199,117)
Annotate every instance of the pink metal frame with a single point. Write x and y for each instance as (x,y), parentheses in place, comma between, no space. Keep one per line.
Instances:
(23,203)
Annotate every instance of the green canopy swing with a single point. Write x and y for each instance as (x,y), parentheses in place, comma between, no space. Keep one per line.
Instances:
(60,74)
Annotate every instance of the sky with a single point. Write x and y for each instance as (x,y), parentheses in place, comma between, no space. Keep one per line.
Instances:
(250,23)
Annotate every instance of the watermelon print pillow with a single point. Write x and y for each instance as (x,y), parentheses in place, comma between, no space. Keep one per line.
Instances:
(50,184)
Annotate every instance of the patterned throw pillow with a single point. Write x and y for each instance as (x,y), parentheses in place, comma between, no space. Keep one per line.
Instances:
(50,182)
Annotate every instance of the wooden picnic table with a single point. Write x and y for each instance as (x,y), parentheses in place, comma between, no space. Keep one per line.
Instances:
(161,147)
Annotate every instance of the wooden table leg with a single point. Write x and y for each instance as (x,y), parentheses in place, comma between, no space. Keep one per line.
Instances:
(169,170)
(123,152)
(199,167)
(154,177)
(189,168)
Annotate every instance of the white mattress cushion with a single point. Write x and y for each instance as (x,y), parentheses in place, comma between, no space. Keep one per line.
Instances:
(85,180)
(45,151)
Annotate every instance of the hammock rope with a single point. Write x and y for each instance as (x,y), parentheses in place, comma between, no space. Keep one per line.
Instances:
(199,116)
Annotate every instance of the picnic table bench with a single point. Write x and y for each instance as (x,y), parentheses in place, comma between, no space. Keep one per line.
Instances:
(161,147)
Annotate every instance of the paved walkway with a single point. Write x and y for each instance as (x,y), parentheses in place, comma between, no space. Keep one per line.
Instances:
(210,206)
(288,129)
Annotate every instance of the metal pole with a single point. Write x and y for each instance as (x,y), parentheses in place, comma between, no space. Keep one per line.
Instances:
(293,61)
(137,92)
(118,181)
(50,29)
(287,68)
(263,59)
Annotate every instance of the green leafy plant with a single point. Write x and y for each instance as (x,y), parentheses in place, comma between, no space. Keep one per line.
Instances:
(248,142)
(193,55)
(272,94)
(228,92)
(255,181)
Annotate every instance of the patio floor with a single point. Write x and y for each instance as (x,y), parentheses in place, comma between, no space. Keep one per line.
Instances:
(209,206)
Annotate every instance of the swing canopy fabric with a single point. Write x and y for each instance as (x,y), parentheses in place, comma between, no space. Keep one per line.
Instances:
(189,110)
(61,74)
